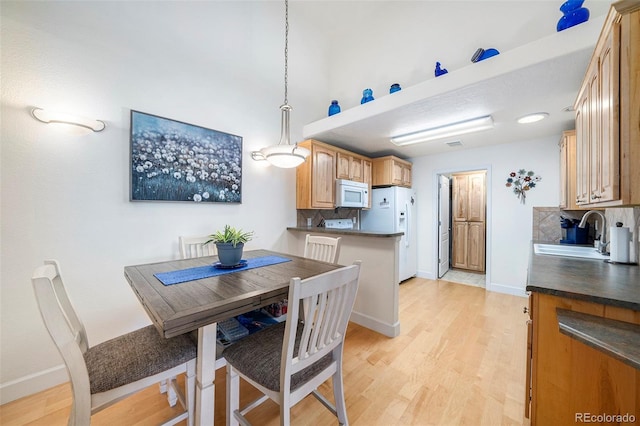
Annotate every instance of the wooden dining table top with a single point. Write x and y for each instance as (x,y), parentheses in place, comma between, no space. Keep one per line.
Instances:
(180,308)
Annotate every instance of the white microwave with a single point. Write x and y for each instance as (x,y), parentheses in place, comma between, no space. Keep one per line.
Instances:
(351,194)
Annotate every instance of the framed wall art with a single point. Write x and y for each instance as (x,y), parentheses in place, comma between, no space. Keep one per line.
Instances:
(176,161)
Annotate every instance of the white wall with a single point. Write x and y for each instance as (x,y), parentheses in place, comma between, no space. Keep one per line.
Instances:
(67,197)
(509,223)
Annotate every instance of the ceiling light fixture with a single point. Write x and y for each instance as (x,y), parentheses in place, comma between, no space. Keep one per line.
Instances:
(54,117)
(532,118)
(454,129)
(284,154)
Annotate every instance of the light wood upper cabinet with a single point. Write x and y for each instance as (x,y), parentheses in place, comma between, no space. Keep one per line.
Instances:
(568,172)
(608,113)
(350,167)
(391,171)
(316,177)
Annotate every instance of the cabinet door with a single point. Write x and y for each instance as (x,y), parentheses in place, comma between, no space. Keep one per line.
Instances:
(343,169)
(355,169)
(323,178)
(564,162)
(396,173)
(607,157)
(406,176)
(475,246)
(460,197)
(460,238)
(582,150)
(476,206)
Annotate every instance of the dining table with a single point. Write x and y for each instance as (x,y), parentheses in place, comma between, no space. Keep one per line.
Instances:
(185,295)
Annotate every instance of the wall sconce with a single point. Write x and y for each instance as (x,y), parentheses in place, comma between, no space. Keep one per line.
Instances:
(53,117)
(455,129)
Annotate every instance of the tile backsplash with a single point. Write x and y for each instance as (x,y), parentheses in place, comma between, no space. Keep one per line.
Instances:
(546,223)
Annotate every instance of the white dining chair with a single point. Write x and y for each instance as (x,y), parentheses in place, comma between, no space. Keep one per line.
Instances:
(110,371)
(288,361)
(326,249)
(195,247)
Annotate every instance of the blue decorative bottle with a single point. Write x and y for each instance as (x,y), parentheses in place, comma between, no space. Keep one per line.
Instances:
(334,108)
(367,96)
(572,14)
(394,88)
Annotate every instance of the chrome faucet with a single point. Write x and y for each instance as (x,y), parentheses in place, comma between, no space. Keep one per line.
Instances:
(602,245)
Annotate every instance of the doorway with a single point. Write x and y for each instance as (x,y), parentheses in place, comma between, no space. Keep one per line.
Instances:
(462,226)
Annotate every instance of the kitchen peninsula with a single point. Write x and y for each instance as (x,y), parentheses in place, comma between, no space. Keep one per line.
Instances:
(584,339)
(377,302)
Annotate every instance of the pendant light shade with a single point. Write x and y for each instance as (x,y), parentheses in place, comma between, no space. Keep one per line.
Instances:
(284,154)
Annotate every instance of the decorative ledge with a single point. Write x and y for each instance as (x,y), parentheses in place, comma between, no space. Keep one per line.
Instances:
(618,339)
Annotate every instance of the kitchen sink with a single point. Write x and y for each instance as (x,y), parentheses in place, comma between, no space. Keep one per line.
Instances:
(569,251)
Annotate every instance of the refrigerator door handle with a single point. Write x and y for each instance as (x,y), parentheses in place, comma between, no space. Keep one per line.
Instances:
(408,229)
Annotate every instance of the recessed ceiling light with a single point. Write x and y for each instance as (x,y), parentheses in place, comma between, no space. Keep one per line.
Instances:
(532,118)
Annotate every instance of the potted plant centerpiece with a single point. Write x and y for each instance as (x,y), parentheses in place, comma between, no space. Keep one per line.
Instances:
(230,243)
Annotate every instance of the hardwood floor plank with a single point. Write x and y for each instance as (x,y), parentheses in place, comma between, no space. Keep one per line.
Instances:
(459,360)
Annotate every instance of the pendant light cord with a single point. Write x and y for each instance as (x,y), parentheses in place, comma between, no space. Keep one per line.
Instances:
(286,50)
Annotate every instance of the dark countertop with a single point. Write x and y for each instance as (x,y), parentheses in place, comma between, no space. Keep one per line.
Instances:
(585,279)
(351,232)
(615,338)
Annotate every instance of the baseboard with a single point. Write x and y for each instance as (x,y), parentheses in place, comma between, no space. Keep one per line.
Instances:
(426,275)
(515,291)
(390,330)
(33,383)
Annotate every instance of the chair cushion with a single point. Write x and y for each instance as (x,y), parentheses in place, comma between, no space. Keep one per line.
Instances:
(134,356)
(258,357)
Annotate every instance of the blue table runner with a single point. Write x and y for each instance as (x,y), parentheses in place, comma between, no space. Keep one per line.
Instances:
(200,272)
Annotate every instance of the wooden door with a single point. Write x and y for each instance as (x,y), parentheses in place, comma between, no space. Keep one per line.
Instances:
(582,150)
(460,197)
(343,166)
(356,171)
(607,159)
(459,246)
(475,246)
(476,203)
(324,176)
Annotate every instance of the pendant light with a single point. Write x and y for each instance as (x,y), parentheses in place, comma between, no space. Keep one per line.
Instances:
(284,154)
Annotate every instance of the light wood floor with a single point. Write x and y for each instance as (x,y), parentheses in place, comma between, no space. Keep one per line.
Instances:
(460,360)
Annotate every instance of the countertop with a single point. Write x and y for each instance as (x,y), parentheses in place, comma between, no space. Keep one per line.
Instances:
(352,232)
(585,279)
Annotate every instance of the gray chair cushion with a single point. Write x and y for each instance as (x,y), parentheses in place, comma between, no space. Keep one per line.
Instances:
(134,356)
(258,357)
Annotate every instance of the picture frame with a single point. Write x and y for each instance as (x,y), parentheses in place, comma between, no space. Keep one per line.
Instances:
(176,161)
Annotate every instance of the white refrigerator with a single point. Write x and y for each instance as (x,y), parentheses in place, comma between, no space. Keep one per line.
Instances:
(393,209)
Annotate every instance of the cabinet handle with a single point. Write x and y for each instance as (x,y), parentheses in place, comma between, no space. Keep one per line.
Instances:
(525,310)
(595,197)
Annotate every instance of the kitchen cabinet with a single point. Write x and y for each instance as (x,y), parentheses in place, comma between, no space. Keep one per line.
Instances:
(608,112)
(571,378)
(316,177)
(391,171)
(568,194)
(469,206)
(350,167)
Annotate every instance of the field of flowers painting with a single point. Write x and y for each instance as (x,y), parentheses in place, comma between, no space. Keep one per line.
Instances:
(175,161)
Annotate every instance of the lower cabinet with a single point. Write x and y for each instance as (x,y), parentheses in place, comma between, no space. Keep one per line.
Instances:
(468,246)
(571,381)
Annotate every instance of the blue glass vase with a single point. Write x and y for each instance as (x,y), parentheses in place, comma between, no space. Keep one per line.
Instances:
(394,88)
(367,96)
(334,108)
(573,14)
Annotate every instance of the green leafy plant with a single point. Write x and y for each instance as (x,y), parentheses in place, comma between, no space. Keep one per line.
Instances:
(230,235)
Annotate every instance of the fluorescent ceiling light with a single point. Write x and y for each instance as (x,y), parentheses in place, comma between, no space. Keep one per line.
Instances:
(532,118)
(448,130)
